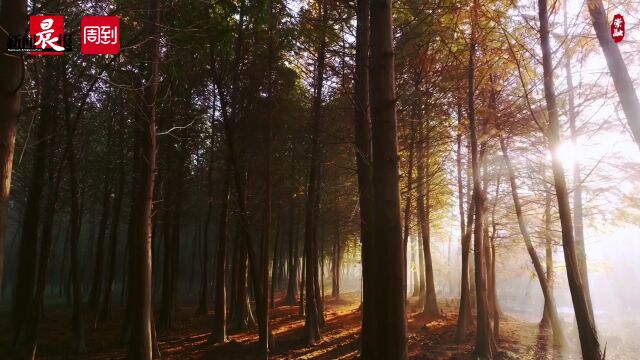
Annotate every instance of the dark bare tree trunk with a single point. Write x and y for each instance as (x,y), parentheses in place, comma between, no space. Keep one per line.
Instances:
(586,328)
(391,320)
(621,79)
(292,261)
(106,307)
(13,19)
(96,283)
(142,334)
(558,335)
(76,223)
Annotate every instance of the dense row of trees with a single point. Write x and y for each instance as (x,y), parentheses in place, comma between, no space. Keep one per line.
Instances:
(213,160)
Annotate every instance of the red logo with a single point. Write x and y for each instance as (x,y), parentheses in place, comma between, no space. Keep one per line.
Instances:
(47,34)
(617,28)
(100,35)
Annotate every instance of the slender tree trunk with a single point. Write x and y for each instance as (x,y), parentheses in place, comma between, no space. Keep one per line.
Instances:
(96,283)
(558,335)
(106,308)
(464,312)
(392,321)
(621,79)
(424,214)
(312,321)
(142,337)
(76,223)
(13,19)
(630,101)
(219,333)
(586,328)
(27,256)
(408,199)
(365,185)
(485,346)
(292,264)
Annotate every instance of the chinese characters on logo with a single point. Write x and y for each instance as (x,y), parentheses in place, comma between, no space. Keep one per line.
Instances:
(47,36)
(617,28)
(100,35)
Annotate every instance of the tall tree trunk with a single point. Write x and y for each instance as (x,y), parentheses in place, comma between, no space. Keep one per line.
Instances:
(558,335)
(142,339)
(96,283)
(464,312)
(621,79)
(27,256)
(621,70)
(586,328)
(391,321)
(312,321)
(13,19)
(485,346)
(424,214)
(292,260)
(548,247)
(105,310)
(76,223)
(219,333)
(365,185)
(408,199)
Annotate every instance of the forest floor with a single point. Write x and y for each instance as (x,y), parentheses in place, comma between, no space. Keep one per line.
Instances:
(428,338)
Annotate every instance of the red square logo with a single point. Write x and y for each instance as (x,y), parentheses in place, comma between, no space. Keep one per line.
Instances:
(100,35)
(47,35)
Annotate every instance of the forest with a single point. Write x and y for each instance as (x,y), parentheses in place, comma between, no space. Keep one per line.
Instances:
(322,179)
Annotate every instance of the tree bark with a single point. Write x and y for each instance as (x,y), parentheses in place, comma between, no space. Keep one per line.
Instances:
(558,335)
(365,185)
(13,19)
(618,69)
(142,339)
(577,181)
(388,249)
(219,333)
(586,329)
(485,347)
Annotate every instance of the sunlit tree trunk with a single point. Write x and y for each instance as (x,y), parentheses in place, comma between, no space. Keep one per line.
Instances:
(464,312)
(220,310)
(577,180)
(424,215)
(13,19)
(621,79)
(586,329)
(142,334)
(558,335)
(485,346)
(388,249)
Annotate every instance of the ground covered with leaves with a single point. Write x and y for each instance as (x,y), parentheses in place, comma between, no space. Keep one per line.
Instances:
(429,338)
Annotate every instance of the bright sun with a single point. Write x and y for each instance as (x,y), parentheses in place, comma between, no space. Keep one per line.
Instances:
(568,154)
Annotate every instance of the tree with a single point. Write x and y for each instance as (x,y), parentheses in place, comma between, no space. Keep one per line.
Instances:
(617,68)
(391,322)
(142,334)
(13,19)
(586,329)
